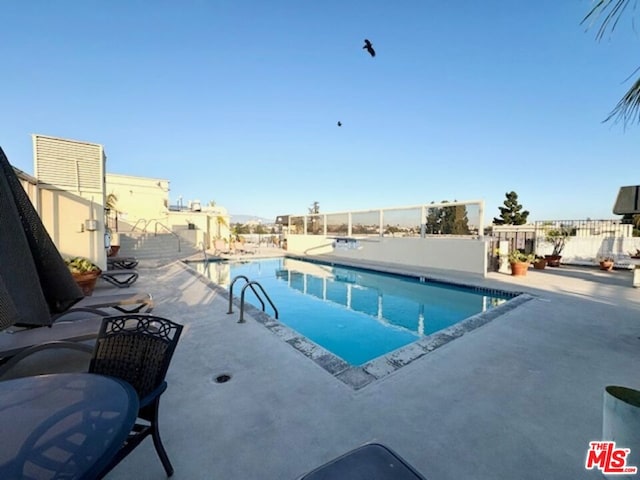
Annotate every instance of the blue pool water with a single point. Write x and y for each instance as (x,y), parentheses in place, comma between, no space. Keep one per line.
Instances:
(356,314)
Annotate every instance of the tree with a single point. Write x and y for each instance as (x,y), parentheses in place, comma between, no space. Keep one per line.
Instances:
(392,230)
(220,222)
(111,212)
(314,225)
(628,108)
(433,221)
(510,214)
(314,209)
(635,220)
(238,229)
(261,229)
(448,220)
(455,221)
(111,202)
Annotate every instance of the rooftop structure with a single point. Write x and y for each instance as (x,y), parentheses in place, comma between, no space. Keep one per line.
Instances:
(529,385)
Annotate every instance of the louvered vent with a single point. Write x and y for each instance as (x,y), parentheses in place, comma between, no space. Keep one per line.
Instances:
(69,165)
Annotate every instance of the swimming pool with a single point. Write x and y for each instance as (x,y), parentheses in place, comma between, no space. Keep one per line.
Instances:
(357,315)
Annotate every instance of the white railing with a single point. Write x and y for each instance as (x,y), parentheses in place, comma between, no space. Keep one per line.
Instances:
(463,218)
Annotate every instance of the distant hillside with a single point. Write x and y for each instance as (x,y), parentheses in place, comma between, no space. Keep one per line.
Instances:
(251,218)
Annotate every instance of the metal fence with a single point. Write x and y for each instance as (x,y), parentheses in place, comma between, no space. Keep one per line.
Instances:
(532,238)
(585,228)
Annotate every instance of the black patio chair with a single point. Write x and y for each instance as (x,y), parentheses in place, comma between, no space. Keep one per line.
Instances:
(138,350)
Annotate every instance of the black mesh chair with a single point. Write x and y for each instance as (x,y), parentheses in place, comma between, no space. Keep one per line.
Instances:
(138,349)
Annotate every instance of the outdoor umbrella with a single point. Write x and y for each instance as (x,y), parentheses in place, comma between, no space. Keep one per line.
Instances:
(34,280)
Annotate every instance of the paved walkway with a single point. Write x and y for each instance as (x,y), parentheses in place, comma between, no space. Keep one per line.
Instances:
(518,398)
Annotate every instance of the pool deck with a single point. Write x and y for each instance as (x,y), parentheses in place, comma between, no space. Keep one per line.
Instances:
(517,398)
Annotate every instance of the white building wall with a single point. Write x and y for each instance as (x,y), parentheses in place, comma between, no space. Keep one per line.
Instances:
(587,250)
(465,255)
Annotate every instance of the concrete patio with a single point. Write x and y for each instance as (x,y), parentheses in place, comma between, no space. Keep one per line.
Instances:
(518,398)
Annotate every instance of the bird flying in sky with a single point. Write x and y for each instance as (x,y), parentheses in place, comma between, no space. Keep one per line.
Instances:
(369,48)
(339,124)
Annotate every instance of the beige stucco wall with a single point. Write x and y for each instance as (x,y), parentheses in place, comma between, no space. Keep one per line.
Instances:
(139,198)
(63,214)
(206,225)
(466,255)
(69,191)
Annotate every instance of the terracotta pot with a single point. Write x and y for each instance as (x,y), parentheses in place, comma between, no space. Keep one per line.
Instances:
(519,269)
(87,281)
(553,260)
(606,265)
(540,264)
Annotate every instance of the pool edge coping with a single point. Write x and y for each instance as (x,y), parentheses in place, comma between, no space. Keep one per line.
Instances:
(358,377)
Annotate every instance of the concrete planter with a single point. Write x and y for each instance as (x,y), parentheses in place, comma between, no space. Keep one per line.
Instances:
(621,423)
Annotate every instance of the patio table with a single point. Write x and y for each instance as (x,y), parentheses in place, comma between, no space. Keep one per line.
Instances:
(67,425)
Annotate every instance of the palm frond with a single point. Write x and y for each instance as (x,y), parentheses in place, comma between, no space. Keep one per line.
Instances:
(628,108)
(612,10)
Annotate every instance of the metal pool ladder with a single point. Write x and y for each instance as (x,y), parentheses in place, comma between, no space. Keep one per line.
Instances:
(250,284)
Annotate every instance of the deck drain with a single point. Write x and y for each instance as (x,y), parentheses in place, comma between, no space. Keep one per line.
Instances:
(224,378)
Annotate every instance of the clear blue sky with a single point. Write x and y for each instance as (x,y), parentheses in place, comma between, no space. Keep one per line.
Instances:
(237,101)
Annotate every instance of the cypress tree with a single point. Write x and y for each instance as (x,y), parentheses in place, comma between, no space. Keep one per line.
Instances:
(511,213)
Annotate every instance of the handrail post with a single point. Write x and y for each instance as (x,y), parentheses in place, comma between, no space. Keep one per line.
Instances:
(235,279)
(241,319)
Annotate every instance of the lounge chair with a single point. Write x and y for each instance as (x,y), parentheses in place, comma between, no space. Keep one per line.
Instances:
(242,248)
(16,340)
(251,248)
(120,278)
(220,247)
(78,324)
(114,263)
(136,302)
(120,271)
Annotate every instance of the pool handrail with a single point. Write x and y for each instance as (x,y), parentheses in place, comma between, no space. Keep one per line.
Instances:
(251,284)
(235,279)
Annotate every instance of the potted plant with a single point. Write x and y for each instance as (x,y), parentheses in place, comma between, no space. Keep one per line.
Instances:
(557,237)
(520,262)
(606,263)
(539,263)
(85,273)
